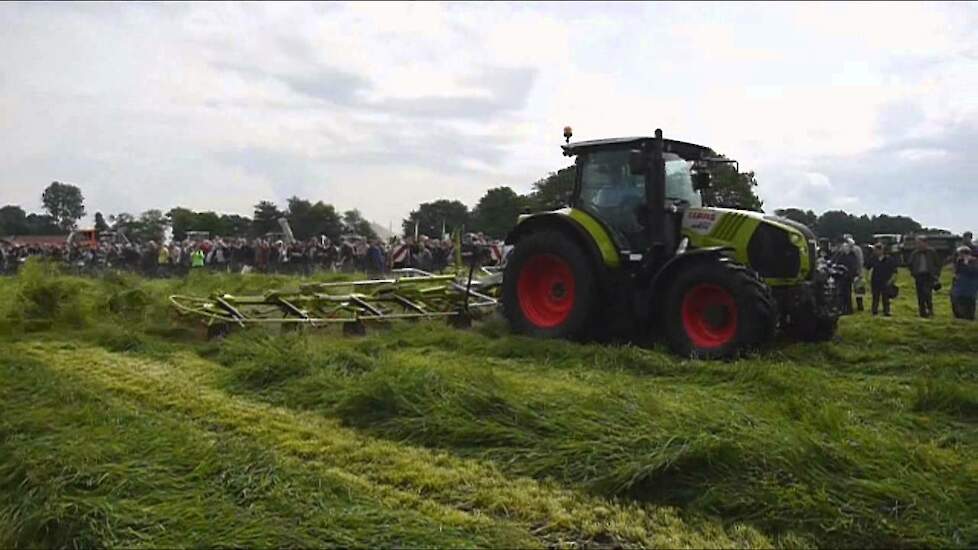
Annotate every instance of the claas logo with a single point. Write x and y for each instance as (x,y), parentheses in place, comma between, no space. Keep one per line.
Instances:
(702,215)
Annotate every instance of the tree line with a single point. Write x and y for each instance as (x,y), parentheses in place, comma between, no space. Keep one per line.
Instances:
(833,224)
(64,206)
(494,214)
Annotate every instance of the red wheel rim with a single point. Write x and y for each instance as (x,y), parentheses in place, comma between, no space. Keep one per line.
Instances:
(545,290)
(709,316)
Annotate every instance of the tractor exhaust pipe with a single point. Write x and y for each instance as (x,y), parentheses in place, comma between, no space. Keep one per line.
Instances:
(655,190)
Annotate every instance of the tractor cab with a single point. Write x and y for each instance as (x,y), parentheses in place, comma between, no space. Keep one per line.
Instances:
(640,189)
(611,185)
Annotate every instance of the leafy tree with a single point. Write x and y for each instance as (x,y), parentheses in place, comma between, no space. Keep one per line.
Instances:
(835,223)
(13,221)
(149,226)
(152,226)
(41,224)
(806,217)
(863,230)
(353,222)
(234,225)
(181,220)
(431,217)
(208,221)
(308,220)
(65,203)
(553,191)
(495,214)
(730,189)
(100,224)
(894,224)
(265,219)
(123,222)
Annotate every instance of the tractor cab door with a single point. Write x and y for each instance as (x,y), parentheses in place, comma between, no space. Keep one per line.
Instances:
(610,192)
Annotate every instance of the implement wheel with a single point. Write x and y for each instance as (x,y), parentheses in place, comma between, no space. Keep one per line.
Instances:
(718,309)
(549,287)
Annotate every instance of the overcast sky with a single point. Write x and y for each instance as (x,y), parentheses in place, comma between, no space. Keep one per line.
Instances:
(380,106)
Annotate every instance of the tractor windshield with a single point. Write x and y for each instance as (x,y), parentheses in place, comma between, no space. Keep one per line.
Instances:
(679,182)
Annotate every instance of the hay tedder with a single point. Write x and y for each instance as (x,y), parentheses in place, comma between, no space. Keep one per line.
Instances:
(405,294)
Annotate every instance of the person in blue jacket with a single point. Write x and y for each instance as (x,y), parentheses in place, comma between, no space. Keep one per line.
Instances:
(965,287)
(375,258)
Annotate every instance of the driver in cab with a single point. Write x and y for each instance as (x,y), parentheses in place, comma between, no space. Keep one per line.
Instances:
(620,196)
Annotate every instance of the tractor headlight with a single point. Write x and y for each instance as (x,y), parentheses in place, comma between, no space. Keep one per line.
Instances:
(797,239)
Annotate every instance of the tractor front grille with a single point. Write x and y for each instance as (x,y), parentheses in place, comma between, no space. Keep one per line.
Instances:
(772,254)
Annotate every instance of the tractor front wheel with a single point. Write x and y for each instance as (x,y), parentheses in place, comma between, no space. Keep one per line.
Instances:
(549,287)
(717,309)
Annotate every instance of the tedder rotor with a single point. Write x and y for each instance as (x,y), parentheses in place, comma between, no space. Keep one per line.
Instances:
(407,294)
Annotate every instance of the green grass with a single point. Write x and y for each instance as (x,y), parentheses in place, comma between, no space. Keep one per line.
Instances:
(122,426)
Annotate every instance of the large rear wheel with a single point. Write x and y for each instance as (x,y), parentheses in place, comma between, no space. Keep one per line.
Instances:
(549,287)
(717,309)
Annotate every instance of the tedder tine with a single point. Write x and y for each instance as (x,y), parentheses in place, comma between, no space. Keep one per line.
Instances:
(231,309)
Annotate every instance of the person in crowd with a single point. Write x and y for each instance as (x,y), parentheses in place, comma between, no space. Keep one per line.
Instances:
(965,286)
(925,267)
(176,258)
(858,281)
(375,258)
(148,259)
(846,257)
(262,253)
(884,268)
(197,258)
(163,261)
(347,253)
(967,239)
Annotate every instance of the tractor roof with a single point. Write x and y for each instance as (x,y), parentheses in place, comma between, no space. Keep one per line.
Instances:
(687,151)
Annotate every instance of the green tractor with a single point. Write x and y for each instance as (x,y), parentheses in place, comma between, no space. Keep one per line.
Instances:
(635,254)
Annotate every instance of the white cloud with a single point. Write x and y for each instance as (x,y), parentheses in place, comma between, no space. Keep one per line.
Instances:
(914,154)
(382,106)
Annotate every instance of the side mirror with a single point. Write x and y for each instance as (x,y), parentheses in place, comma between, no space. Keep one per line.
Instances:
(701,181)
(637,163)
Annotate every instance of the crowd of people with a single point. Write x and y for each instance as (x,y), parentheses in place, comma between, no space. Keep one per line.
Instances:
(925,267)
(237,255)
(375,257)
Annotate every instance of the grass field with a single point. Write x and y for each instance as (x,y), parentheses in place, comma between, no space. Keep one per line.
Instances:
(122,426)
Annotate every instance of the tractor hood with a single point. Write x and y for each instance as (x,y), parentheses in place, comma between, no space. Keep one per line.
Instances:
(788,225)
(805,230)
(780,250)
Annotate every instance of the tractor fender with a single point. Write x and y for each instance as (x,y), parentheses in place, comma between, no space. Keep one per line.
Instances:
(567,225)
(680,261)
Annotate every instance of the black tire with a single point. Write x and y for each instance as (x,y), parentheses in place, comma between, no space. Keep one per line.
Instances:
(716,308)
(812,328)
(551,264)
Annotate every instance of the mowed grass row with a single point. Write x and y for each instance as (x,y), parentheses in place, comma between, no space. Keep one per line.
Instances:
(868,441)
(121,450)
(831,455)
(82,468)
